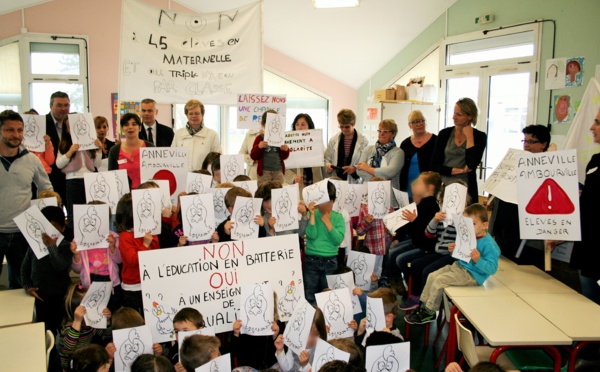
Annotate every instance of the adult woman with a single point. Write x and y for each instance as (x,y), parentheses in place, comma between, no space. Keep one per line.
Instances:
(418,150)
(586,255)
(101,124)
(126,155)
(345,148)
(304,176)
(383,159)
(459,149)
(198,139)
(246,148)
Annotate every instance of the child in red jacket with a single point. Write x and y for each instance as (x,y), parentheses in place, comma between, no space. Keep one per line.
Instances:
(269,159)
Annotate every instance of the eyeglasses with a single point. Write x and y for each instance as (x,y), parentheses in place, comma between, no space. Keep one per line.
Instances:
(416,122)
(384,131)
(530,142)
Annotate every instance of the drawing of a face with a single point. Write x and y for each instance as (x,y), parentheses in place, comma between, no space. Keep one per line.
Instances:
(562,108)
(287,304)
(453,202)
(246,213)
(339,283)
(90,222)
(197,186)
(552,71)
(298,321)
(131,348)
(231,168)
(145,212)
(31,130)
(35,230)
(334,309)
(95,300)
(379,198)
(82,127)
(218,202)
(100,188)
(387,362)
(197,216)
(463,231)
(573,69)
(359,267)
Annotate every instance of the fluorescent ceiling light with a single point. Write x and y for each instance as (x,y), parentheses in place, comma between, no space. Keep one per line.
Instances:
(321,4)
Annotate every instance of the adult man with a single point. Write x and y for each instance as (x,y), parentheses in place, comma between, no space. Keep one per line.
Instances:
(59,109)
(152,131)
(19,169)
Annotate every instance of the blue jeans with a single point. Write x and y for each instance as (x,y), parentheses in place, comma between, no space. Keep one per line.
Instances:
(389,261)
(590,288)
(13,246)
(315,270)
(403,259)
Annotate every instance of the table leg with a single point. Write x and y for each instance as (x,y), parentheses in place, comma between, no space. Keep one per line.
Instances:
(553,351)
(451,350)
(574,351)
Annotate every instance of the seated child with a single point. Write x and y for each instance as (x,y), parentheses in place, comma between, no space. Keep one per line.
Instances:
(90,358)
(224,229)
(484,262)
(47,279)
(197,350)
(390,304)
(75,333)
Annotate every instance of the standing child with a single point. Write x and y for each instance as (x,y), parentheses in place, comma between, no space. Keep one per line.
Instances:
(484,262)
(324,234)
(377,236)
(47,279)
(269,159)
(129,246)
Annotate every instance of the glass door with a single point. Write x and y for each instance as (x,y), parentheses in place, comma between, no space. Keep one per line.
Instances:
(460,84)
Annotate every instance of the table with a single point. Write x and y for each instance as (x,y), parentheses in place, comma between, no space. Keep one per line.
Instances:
(530,279)
(23,348)
(491,287)
(16,307)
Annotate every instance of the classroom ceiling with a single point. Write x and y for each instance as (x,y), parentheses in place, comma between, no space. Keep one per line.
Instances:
(348,44)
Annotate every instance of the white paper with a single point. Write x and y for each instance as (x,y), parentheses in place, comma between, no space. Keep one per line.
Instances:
(341,189)
(222,363)
(221,212)
(131,343)
(91,226)
(284,207)
(363,265)
(122,181)
(231,167)
(317,192)
(288,298)
(159,317)
(83,131)
(206,331)
(392,357)
(353,198)
(394,220)
(379,198)
(250,186)
(455,197)
(146,212)
(34,132)
(95,301)
(555,73)
(33,225)
(298,328)
(401,198)
(257,305)
(163,185)
(325,353)
(244,211)
(103,187)
(44,202)
(274,130)
(306,148)
(198,217)
(466,240)
(345,280)
(502,183)
(337,311)
(198,183)
(375,315)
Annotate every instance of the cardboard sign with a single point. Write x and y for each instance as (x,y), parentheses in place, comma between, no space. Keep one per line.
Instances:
(250,108)
(146,212)
(165,163)
(130,344)
(198,217)
(306,148)
(33,225)
(34,132)
(91,226)
(83,131)
(502,183)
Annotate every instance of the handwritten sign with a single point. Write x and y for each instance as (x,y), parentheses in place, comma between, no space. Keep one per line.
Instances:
(393,221)
(548,196)
(250,108)
(306,148)
(91,226)
(198,217)
(165,163)
(33,225)
(466,240)
(208,277)
(502,183)
(176,56)
(33,132)
(83,131)
(146,212)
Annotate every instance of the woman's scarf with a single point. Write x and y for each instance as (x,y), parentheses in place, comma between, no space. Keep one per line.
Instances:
(380,151)
(193,131)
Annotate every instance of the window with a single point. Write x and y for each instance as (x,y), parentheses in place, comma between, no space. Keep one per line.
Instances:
(10,77)
(491,49)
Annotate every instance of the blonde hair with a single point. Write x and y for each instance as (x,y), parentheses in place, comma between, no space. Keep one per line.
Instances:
(50,193)
(389,124)
(415,115)
(233,193)
(192,104)
(469,108)
(99,120)
(346,116)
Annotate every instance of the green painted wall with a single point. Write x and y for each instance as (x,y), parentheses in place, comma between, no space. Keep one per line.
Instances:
(577,24)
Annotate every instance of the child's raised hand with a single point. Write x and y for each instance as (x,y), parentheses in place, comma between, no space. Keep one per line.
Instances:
(357,291)
(259,220)
(451,247)
(409,216)
(147,239)
(303,358)
(73,149)
(453,367)
(302,208)
(215,237)
(279,344)
(33,292)
(112,243)
(73,247)
(475,255)
(439,217)
(237,326)
(326,218)
(79,313)
(157,349)
(353,325)
(272,221)
(311,207)
(111,349)
(48,240)
(182,241)
(179,367)
(228,226)
(374,278)
(46,138)
(369,218)
(363,326)
(275,329)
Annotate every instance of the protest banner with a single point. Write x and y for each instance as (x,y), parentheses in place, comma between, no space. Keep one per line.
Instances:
(250,108)
(306,148)
(165,163)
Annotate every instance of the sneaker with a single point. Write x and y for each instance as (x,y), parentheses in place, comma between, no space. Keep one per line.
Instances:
(410,304)
(420,316)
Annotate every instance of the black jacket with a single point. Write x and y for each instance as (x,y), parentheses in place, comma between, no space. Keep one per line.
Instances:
(415,230)
(163,135)
(57,178)
(425,153)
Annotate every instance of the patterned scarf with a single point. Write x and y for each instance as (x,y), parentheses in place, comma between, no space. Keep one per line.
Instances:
(381,150)
(193,131)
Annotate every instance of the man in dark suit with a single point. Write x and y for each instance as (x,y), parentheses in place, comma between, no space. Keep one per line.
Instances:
(152,131)
(59,109)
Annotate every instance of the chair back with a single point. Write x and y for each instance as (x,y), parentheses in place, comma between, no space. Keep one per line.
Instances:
(466,343)
(49,346)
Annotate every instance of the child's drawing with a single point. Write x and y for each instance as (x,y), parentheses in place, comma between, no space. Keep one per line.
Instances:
(353,198)
(44,202)
(95,302)
(378,198)
(297,331)
(198,183)
(33,134)
(199,217)
(221,212)
(231,167)
(244,211)
(362,264)
(388,358)
(316,192)
(455,196)
(393,221)
(220,364)
(288,302)
(35,230)
(147,211)
(102,187)
(33,225)
(401,198)
(466,240)
(375,315)
(274,130)
(257,309)
(91,226)
(160,320)
(345,280)
(285,207)
(250,186)
(325,353)
(83,130)
(337,310)
(130,344)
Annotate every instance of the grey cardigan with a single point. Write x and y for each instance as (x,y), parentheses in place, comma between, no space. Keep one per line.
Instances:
(394,159)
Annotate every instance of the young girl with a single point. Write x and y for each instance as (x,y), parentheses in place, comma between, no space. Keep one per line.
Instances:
(178,238)
(100,265)
(377,236)
(75,332)
(129,246)
(289,361)
(91,358)
(425,190)
(74,164)
(209,159)
(269,159)
(101,124)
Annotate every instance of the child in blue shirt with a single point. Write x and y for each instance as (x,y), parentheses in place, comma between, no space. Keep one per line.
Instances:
(484,262)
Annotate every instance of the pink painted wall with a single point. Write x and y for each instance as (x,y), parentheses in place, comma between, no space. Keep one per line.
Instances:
(100,22)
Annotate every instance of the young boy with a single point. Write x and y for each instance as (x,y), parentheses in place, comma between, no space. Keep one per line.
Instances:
(269,159)
(47,279)
(197,350)
(484,262)
(186,319)
(390,304)
(324,233)
(224,229)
